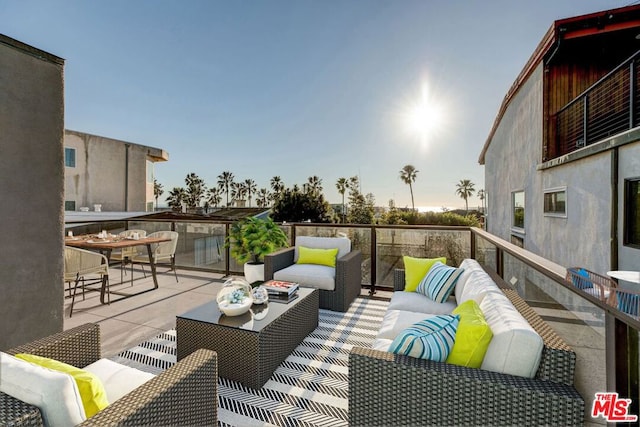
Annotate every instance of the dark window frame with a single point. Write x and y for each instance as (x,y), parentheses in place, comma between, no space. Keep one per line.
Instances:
(631,185)
(67,159)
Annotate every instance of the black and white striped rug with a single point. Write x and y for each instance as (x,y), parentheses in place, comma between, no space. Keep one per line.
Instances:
(310,388)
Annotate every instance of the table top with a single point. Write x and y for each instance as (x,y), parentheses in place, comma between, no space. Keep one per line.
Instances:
(256,319)
(112,242)
(627,276)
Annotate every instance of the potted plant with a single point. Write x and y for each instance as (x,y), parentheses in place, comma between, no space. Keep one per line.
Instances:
(250,240)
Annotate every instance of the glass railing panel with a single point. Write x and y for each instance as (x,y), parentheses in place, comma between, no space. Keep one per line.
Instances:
(392,244)
(486,253)
(201,245)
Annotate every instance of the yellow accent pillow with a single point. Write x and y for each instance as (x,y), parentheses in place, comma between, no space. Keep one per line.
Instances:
(317,256)
(473,336)
(415,269)
(92,392)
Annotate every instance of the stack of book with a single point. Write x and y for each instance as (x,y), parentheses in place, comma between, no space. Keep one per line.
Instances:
(281,291)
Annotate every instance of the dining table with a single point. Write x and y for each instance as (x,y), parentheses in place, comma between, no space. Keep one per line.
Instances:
(627,276)
(106,244)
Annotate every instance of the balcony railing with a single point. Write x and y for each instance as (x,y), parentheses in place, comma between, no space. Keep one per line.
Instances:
(607,108)
(604,339)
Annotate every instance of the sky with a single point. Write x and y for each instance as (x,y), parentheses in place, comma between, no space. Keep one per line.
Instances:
(296,88)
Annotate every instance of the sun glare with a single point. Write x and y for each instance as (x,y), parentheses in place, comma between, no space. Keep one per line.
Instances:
(424,117)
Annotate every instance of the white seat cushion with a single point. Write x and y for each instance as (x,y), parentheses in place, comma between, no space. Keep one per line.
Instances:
(309,275)
(54,393)
(516,348)
(381,344)
(476,283)
(342,243)
(413,301)
(117,379)
(396,321)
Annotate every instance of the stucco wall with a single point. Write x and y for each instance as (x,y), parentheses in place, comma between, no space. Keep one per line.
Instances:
(101,172)
(32,177)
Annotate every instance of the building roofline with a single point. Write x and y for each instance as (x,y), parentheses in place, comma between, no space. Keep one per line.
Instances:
(158,154)
(30,50)
(567,28)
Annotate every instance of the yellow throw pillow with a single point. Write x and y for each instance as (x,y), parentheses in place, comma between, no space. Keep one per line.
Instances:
(92,392)
(317,256)
(472,337)
(415,269)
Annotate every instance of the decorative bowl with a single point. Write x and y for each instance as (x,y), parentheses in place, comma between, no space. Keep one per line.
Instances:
(235,298)
(260,295)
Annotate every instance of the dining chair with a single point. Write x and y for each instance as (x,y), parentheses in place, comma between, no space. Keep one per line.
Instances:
(84,267)
(124,255)
(161,252)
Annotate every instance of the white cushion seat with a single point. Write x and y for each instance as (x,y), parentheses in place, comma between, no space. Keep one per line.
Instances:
(309,275)
(416,302)
(116,378)
(396,321)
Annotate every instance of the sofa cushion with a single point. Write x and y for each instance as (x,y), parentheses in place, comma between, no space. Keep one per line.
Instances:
(439,282)
(413,301)
(415,269)
(476,283)
(342,243)
(309,275)
(118,379)
(472,337)
(317,256)
(516,348)
(381,344)
(54,393)
(431,338)
(396,321)
(92,393)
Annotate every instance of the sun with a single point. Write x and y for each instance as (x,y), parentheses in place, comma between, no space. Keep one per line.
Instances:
(424,116)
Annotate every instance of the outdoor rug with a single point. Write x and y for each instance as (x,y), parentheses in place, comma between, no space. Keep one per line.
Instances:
(310,388)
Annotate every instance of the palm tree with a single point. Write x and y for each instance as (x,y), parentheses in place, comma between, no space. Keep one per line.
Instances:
(250,187)
(277,186)
(176,197)
(238,191)
(465,190)
(214,197)
(157,190)
(225,180)
(195,190)
(342,185)
(313,185)
(263,198)
(408,175)
(481,196)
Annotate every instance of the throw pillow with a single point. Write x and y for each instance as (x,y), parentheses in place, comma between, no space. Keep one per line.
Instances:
(415,269)
(92,392)
(439,282)
(582,280)
(430,339)
(317,256)
(472,337)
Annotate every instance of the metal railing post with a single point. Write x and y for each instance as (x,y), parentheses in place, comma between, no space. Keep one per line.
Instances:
(374,257)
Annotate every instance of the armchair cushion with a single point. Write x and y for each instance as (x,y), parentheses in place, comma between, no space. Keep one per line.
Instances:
(317,256)
(309,275)
(92,392)
(54,393)
(342,243)
(118,379)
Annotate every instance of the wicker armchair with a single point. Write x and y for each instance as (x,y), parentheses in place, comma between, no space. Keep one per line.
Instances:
(185,394)
(83,268)
(391,389)
(348,277)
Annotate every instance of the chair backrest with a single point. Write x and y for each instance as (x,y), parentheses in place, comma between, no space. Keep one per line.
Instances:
(626,301)
(165,250)
(342,243)
(130,233)
(79,262)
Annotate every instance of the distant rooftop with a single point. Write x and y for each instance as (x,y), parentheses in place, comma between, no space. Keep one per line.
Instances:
(224,214)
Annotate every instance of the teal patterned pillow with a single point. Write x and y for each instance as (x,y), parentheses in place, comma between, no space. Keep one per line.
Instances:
(439,282)
(430,339)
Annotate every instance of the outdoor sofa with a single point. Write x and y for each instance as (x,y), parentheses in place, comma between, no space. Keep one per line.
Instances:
(184,394)
(391,389)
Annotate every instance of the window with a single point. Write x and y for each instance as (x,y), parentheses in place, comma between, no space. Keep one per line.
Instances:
(517,203)
(632,212)
(149,172)
(70,157)
(555,202)
(69,205)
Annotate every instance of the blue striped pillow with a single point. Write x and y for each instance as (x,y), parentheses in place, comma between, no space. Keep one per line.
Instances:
(430,339)
(439,282)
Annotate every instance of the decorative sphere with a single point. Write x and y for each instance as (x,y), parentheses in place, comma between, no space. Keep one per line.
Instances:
(235,298)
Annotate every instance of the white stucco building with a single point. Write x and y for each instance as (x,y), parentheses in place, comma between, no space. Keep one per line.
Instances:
(108,174)
(562,161)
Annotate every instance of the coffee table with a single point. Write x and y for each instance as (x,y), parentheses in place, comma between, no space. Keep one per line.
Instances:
(251,346)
